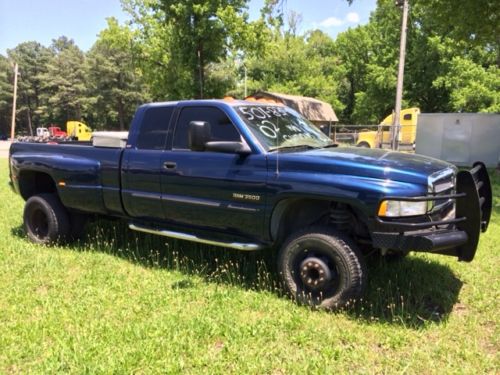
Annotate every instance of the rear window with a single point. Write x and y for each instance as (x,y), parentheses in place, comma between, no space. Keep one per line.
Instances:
(153,135)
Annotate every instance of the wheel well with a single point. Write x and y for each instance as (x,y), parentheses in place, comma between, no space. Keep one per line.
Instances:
(32,183)
(291,215)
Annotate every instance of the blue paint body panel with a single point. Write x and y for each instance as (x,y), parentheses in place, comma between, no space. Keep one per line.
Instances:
(229,194)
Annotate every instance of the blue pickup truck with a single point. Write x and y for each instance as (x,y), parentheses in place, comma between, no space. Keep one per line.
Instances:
(248,176)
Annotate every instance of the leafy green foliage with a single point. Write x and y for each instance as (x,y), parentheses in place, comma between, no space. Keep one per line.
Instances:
(187,39)
(33,59)
(64,82)
(204,48)
(6,90)
(115,83)
(472,87)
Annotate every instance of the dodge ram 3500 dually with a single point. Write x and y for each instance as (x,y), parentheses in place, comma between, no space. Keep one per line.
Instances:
(248,176)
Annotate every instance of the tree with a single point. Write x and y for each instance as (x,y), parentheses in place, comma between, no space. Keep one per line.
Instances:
(472,87)
(6,89)
(474,21)
(183,40)
(438,47)
(296,65)
(354,49)
(64,82)
(32,59)
(371,56)
(115,85)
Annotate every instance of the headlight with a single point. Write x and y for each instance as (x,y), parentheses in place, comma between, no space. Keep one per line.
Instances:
(402,208)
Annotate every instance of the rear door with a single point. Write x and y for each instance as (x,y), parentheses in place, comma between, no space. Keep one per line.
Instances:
(212,189)
(142,168)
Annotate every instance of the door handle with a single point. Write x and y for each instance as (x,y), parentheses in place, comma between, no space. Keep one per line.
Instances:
(169,165)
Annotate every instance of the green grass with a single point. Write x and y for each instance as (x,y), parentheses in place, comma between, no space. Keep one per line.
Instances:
(122,302)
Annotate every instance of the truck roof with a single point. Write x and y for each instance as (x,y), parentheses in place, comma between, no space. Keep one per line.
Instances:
(226,101)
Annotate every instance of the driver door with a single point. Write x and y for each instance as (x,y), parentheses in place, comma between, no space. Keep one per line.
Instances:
(213,190)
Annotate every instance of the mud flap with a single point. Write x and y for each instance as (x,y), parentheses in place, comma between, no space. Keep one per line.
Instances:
(475,206)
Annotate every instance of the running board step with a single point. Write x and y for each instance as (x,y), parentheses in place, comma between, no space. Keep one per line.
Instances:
(193,238)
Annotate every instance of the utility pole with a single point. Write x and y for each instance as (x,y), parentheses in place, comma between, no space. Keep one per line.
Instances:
(396,121)
(13,124)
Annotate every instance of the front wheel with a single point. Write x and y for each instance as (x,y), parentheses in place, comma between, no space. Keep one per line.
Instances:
(322,268)
(45,219)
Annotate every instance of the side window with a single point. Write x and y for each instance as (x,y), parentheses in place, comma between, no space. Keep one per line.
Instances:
(221,127)
(407,116)
(154,128)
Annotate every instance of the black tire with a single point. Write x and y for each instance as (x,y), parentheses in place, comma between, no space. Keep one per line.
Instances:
(322,268)
(46,220)
(363,145)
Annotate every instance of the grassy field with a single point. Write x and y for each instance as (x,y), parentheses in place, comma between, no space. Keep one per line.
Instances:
(121,302)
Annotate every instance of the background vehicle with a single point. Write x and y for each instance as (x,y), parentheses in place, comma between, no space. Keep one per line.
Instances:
(382,137)
(249,176)
(42,132)
(78,130)
(460,138)
(55,131)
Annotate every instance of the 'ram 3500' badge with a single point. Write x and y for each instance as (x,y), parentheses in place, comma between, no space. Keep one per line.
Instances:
(249,197)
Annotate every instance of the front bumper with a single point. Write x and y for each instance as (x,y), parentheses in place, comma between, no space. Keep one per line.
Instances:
(457,236)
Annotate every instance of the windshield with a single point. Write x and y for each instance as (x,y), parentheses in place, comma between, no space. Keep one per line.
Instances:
(278,127)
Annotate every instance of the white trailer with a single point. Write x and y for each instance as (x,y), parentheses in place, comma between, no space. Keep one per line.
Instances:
(460,138)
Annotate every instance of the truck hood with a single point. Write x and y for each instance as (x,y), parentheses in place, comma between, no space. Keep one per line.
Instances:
(380,164)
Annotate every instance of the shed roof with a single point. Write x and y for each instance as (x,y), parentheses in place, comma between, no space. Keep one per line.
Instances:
(311,108)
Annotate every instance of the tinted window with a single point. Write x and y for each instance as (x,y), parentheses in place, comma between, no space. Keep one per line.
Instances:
(407,116)
(222,128)
(154,128)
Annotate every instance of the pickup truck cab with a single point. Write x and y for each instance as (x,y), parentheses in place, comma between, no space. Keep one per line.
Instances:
(249,176)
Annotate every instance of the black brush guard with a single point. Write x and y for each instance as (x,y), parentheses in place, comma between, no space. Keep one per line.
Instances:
(458,236)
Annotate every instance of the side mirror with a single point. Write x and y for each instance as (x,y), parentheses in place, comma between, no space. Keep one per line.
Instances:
(198,135)
(228,147)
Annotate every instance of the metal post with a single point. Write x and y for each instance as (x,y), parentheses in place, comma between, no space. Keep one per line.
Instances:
(14,99)
(245,69)
(396,121)
(200,72)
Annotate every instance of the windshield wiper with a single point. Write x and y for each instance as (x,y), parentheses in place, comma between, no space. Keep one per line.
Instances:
(279,148)
(331,145)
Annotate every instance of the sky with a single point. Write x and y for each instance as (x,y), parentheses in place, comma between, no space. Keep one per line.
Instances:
(81,20)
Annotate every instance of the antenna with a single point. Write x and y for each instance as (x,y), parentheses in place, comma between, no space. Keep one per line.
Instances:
(277,149)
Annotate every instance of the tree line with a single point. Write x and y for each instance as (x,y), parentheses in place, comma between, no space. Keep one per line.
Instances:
(174,50)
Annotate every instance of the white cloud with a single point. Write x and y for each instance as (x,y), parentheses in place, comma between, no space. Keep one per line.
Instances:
(352,17)
(331,22)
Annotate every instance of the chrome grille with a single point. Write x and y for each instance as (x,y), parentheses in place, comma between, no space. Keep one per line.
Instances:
(442,183)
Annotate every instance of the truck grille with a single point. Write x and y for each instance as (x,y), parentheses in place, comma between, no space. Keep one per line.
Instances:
(442,183)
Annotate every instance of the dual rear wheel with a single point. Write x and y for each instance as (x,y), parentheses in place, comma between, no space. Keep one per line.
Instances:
(46,221)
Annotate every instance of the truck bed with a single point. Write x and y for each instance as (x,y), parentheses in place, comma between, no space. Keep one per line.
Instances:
(87,178)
